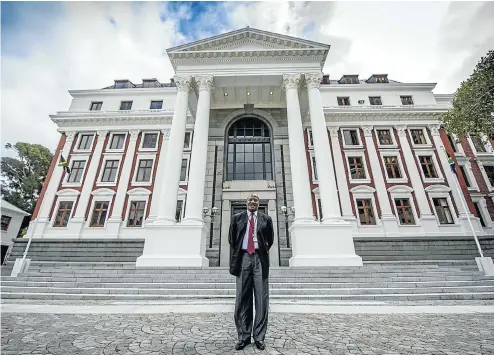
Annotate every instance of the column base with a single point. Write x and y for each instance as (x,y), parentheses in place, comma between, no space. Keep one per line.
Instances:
(174,245)
(320,245)
(390,225)
(467,230)
(429,225)
(485,265)
(113,227)
(75,227)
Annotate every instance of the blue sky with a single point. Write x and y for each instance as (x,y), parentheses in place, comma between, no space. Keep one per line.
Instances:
(49,48)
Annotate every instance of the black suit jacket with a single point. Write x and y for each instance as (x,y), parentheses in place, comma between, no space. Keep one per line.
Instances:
(265,238)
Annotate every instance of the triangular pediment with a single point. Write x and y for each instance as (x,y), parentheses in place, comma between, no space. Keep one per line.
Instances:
(248,39)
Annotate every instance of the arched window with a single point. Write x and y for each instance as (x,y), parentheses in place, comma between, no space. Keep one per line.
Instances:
(249,151)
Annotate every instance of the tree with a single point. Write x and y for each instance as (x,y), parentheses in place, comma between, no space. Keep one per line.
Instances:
(473,104)
(24,175)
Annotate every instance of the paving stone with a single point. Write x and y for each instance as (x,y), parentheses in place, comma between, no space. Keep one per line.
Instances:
(88,334)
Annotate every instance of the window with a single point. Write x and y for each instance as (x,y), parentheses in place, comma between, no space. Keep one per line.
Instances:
(178,213)
(314,168)
(478,144)
(76,171)
(117,141)
(319,205)
(311,140)
(156,105)
(100,212)
(121,84)
(188,141)
(356,165)
(465,176)
(150,140)
(381,79)
(418,136)
(453,143)
(144,170)
(125,105)
(249,155)
(442,211)
(96,106)
(392,167)
(489,171)
(349,79)
(136,213)
(110,171)
(365,213)
(5,222)
(183,170)
(375,100)
(85,142)
(428,167)
(406,100)
(343,101)
(350,137)
(479,214)
(150,84)
(384,136)
(63,214)
(405,213)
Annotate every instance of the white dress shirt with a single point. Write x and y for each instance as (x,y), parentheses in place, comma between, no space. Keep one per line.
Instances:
(246,236)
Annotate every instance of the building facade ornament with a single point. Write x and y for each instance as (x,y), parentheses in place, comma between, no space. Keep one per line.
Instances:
(367,131)
(102,133)
(166,133)
(70,136)
(333,131)
(402,130)
(435,129)
(134,133)
(183,83)
(291,81)
(204,82)
(313,80)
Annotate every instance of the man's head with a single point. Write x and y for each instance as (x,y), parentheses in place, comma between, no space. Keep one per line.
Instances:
(252,202)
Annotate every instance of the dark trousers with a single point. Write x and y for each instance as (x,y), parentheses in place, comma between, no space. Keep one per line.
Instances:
(250,282)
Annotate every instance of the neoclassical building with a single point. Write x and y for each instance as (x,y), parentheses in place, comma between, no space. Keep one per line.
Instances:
(251,111)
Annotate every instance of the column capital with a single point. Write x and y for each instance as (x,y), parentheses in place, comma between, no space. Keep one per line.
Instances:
(367,130)
(313,80)
(134,133)
(70,136)
(102,133)
(291,81)
(204,82)
(166,133)
(333,131)
(435,129)
(183,83)
(402,130)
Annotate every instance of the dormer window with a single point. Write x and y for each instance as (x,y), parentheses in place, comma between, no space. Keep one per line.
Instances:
(122,84)
(343,101)
(378,79)
(325,79)
(349,79)
(150,83)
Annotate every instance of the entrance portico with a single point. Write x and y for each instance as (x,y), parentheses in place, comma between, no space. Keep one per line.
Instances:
(211,77)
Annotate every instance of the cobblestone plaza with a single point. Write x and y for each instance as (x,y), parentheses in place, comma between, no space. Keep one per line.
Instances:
(209,333)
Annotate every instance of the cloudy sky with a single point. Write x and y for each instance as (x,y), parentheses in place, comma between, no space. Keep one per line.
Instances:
(50,48)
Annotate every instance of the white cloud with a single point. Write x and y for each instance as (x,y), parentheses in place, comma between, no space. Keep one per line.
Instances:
(414,42)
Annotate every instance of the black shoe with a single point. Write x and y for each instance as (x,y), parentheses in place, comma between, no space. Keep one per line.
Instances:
(260,344)
(242,344)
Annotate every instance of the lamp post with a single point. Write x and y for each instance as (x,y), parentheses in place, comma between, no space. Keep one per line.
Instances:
(211,215)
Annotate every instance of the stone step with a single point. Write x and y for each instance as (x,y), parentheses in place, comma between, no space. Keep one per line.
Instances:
(358,297)
(230,285)
(231,291)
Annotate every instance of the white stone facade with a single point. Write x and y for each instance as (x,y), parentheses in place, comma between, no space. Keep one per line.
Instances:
(369,153)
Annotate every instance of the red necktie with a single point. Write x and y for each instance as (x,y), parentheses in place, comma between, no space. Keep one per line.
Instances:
(250,242)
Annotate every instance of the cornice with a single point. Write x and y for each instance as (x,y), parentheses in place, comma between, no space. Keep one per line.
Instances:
(116,114)
(115,121)
(378,87)
(380,109)
(132,91)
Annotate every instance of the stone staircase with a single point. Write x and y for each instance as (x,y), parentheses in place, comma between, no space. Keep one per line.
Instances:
(376,281)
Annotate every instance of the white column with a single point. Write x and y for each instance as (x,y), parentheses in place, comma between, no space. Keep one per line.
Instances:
(344,194)
(427,218)
(388,218)
(160,175)
(328,190)
(298,160)
(37,226)
(115,220)
(198,159)
(436,137)
(76,222)
(173,161)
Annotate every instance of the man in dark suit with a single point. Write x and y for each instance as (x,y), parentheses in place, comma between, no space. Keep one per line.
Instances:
(251,236)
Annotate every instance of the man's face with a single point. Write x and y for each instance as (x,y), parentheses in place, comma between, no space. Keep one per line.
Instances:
(252,203)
